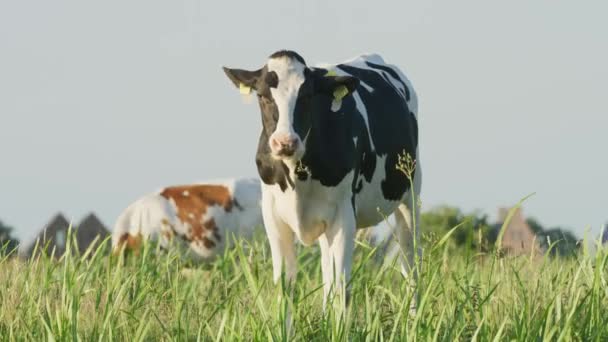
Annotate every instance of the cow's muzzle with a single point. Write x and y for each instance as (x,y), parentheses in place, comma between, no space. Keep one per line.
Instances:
(284,145)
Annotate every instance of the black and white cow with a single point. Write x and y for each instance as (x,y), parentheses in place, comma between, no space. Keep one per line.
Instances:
(327,156)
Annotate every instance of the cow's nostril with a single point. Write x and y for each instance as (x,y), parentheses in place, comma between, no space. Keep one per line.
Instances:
(292,144)
(275,143)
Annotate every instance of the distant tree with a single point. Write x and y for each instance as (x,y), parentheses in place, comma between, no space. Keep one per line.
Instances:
(471,234)
(8,243)
(561,241)
(476,233)
(535,226)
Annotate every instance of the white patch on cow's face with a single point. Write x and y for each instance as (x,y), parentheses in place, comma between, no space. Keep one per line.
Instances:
(186,193)
(290,73)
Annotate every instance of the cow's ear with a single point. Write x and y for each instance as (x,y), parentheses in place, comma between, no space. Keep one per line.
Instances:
(245,80)
(336,86)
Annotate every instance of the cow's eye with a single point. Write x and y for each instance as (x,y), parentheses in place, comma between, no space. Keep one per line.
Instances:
(272,79)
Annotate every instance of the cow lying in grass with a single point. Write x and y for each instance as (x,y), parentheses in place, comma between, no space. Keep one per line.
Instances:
(201,216)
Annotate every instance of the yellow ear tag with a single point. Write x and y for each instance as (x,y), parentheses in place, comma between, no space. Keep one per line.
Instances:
(245,93)
(245,90)
(331,73)
(340,92)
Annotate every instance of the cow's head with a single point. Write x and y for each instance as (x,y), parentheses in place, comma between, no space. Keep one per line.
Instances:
(286,87)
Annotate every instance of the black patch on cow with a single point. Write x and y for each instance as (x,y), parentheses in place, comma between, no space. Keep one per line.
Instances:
(392,126)
(330,149)
(366,157)
(393,74)
(271,171)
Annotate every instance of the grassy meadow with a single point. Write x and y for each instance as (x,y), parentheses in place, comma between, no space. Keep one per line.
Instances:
(159,296)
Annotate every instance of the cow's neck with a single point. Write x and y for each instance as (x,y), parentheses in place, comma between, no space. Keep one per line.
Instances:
(330,150)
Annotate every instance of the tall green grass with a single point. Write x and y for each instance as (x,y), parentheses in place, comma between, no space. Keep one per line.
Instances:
(160,296)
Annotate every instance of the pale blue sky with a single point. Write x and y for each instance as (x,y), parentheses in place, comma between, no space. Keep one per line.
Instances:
(103,102)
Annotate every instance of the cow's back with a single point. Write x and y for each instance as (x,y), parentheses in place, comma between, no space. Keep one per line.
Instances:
(146,218)
(383,112)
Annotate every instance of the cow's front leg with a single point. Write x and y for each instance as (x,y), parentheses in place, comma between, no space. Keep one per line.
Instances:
(327,267)
(281,240)
(341,238)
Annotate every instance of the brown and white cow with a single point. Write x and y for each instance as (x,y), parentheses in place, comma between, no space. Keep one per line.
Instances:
(202,216)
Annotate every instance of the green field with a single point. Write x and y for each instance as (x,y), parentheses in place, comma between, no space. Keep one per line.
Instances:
(464,296)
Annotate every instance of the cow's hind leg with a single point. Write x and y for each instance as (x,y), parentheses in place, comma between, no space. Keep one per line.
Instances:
(409,254)
(407,234)
(407,217)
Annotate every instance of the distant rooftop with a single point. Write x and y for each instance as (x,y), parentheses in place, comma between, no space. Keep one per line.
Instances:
(52,238)
(518,237)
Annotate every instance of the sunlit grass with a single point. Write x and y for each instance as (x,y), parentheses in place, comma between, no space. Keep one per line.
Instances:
(160,296)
